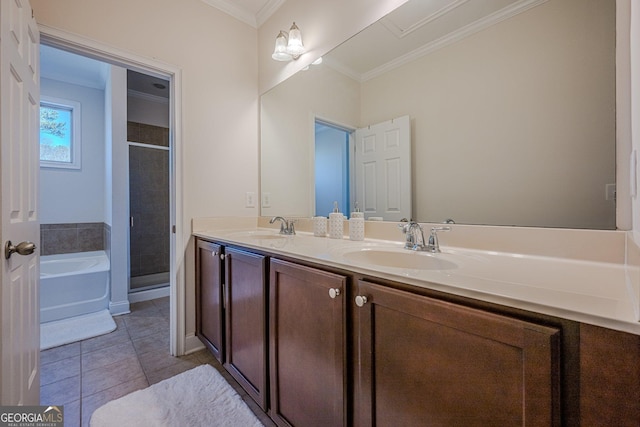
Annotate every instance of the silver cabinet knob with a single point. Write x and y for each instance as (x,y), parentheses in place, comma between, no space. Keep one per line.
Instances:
(334,292)
(214,253)
(361,300)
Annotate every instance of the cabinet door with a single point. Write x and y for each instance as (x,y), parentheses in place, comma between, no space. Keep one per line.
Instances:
(429,362)
(209,312)
(246,329)
(307,346)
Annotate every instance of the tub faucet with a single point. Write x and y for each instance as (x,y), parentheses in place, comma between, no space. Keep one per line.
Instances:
(286,225)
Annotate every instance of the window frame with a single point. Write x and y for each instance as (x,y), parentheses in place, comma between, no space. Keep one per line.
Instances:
(76,143)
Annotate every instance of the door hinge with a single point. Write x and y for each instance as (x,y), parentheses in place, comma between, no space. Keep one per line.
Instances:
(173,229)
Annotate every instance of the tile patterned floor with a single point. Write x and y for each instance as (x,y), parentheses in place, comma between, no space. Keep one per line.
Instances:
(85,375)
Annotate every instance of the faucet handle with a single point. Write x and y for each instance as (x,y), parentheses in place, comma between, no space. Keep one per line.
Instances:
(433,245)
(291,229)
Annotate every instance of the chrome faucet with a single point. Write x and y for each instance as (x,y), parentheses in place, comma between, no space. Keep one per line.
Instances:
(415,237)
(286,225)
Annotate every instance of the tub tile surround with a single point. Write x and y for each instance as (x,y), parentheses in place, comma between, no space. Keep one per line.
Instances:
(601,269)
(73,237)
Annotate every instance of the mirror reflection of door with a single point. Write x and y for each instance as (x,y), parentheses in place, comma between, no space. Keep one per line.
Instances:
(331,168)
(383,169)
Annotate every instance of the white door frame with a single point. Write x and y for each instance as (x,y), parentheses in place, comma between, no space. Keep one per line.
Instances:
(90,48)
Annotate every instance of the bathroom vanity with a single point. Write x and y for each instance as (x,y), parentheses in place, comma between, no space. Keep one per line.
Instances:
(320,337)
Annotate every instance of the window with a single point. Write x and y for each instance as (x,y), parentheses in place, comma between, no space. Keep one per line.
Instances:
(59,133)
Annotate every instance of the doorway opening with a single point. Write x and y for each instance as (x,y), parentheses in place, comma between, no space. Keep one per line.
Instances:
(149,214)
(332,168)
(119,62)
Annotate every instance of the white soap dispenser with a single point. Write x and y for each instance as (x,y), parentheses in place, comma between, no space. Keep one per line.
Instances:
(356,225)
(336,223)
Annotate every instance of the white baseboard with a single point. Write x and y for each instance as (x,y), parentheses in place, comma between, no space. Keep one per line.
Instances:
(149,294)
(119,307)
(192,344)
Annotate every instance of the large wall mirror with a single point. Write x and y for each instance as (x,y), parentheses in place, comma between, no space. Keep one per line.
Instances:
(511,106)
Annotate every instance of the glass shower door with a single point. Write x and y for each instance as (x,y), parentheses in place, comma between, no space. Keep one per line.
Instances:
(149,244)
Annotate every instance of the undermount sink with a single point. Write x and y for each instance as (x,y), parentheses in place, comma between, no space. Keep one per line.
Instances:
(400,259)
(259,234)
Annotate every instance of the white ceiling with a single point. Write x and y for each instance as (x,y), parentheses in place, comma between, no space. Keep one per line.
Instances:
(252,12)
(56,64)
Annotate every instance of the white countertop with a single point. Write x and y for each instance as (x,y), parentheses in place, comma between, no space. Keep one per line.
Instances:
(598,293)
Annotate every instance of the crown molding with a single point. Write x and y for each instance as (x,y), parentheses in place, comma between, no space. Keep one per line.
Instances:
(239,13)
(267,10)
(466,31)
(243,14)
(400,33)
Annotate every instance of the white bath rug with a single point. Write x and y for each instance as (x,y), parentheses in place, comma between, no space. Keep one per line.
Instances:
(65,331)
(198,397)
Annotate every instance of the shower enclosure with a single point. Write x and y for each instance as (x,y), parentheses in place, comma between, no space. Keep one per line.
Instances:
(149,181)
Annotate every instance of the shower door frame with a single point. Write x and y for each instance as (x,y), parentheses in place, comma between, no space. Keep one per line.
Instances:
(93,49)
(130,144)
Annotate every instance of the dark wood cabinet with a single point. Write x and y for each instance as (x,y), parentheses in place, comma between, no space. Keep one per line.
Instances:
(609,377)
(245,320)
(421,361)
(307,324)
(311,351)
(209,281)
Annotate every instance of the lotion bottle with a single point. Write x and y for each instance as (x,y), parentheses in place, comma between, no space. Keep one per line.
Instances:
(336,223)
(356,225)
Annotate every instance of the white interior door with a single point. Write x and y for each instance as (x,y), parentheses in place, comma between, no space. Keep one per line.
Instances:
(19,157)
(383,169)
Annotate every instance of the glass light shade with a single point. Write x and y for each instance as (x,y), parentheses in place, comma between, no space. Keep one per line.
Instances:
(295,47)
(280,52)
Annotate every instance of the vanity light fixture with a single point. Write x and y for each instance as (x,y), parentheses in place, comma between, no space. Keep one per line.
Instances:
(288,45)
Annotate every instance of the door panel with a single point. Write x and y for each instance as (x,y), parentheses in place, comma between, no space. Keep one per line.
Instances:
(246,335)
(469,367)
(307,346)
(383,169)
(209,297)
(19,139)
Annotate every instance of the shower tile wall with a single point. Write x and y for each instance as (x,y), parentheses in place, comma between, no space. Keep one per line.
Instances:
(72,238)
(147,134)
(149,201)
